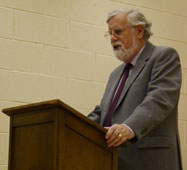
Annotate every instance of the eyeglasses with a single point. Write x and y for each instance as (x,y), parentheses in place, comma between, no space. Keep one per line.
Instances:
(116,32)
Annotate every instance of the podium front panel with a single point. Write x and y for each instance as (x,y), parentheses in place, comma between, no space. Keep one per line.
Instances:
(32,141)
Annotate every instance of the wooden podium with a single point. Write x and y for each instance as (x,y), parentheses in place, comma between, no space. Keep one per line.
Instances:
(53,136)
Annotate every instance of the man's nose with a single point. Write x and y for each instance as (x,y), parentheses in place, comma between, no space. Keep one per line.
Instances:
(113,38)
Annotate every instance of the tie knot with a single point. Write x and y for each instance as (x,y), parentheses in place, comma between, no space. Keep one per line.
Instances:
(128,66)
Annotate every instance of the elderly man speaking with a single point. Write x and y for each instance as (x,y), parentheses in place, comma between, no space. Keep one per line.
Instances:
(140,102)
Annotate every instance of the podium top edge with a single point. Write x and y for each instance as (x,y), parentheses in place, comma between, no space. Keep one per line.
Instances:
(45,105)
(33,106)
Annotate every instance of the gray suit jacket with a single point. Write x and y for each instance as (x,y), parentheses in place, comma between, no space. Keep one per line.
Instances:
(148,104)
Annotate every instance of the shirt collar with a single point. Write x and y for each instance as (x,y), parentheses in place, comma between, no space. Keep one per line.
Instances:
(134,60)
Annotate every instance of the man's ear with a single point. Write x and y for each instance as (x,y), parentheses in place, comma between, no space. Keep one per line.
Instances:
(140,31)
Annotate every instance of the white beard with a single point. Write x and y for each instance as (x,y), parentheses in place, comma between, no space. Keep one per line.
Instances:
(124,54)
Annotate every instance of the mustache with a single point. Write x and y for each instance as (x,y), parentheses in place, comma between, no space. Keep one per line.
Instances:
(116,43)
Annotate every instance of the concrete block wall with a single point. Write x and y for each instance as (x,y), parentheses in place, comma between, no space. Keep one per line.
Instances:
(56,49)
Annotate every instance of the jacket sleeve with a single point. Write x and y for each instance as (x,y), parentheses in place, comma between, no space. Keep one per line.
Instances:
(95,115)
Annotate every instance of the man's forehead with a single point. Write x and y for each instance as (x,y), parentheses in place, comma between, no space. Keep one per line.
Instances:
(120,20)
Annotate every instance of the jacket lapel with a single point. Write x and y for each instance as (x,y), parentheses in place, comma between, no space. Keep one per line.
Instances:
(114,84)
(110,90)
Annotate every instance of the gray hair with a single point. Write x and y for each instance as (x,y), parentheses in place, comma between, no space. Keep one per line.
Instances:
(134,18)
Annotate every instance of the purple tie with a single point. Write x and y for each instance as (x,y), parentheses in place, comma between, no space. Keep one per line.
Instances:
(124,77)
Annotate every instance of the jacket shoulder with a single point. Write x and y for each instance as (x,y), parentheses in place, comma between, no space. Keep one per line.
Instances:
(163,50)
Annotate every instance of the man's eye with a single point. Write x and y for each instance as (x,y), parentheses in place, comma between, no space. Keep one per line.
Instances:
(118,32)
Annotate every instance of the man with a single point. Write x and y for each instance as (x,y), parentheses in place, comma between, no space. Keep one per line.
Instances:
(141,97)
